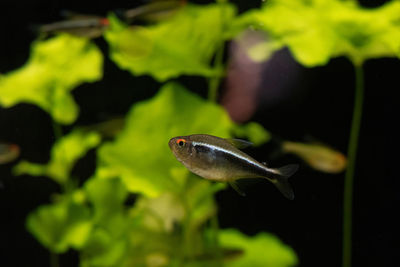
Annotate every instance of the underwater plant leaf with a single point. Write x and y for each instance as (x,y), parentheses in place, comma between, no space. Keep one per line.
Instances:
(103,249)
(200,201)
(107,197)
(140,154)
(253,131)
(64,154)
(159,214)
(315,31)
(262,250)
(108,241)
(55,67)
(60,226)
(182,44)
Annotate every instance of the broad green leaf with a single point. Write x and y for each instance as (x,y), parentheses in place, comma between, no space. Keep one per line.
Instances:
(200,202)
(182,44)
(107,197)
(140,155)
(103,249)
(107,245)
(262,250)
(64,155)
(253,131)
(316,30)
(55,67)
(161,213)
(60,226)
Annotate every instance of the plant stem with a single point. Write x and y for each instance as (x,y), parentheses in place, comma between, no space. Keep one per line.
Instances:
(57,130)
(215,229)
(349,175)
(54,260)
(215,81)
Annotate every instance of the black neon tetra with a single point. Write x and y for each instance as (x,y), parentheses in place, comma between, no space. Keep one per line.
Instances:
(220,159)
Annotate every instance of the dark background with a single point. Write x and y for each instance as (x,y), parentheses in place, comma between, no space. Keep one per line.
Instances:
(321,107)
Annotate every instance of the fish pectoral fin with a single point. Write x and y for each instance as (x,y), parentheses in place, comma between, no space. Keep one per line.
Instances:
(239,143)
(234,185)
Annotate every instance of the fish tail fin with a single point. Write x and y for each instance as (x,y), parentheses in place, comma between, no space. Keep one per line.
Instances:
(281,181)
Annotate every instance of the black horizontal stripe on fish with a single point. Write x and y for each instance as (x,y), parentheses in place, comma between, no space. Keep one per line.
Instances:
(213,152)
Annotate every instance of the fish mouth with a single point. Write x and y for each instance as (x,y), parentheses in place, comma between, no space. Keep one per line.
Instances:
(171,143)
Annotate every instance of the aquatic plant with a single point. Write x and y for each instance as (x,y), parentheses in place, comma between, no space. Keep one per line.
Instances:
(173,219)
(316,31)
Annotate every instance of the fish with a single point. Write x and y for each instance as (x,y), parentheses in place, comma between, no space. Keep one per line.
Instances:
(221,160)
(320,157)
(107,129)
(8,152)
(154,11)
(89,26)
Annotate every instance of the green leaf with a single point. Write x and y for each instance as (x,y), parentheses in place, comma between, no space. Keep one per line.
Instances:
(103,249)
(159,214)
(262,250)
(253,131)
(108,242)
(316,31)
(55,67)
(140,155)
(61,226)
(107,197)
(64,155)
(183,44)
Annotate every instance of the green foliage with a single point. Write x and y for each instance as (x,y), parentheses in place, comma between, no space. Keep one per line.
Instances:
(141,150)
(62,225)
(316,30)
(64,155)
(182,44)
(55,67)
(254,131)
(108,242)
(274,252)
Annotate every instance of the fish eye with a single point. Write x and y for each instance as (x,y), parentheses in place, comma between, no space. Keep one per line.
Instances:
(181,142)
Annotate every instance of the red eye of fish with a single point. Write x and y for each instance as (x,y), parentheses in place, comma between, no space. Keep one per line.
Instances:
(181,142)
(104,22)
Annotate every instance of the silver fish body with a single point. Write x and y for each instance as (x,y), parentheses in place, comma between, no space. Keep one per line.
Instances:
(219,159)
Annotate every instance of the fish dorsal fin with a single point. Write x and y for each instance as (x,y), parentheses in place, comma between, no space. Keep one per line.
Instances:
(239,143)
(71,15)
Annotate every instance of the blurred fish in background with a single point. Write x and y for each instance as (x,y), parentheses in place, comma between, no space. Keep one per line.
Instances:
(90,26)
(257,76)
(8,152)
(107,129)
(318,156)
(154,11)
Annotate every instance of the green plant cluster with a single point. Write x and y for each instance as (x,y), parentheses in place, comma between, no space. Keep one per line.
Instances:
(173,220)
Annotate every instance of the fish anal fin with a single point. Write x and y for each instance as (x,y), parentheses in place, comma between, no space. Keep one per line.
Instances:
(239,143)
(237,189)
